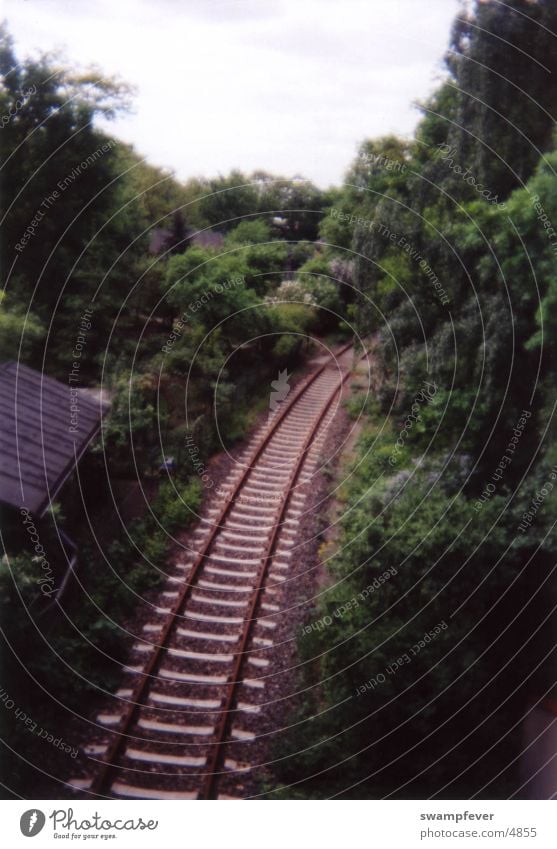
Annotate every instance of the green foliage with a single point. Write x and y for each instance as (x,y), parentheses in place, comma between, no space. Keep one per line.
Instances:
(358,404)
(209,290)
(18,332)
(292,322)
(506,111)
(227,199)
(212,326)
(176,505)
(446,719)
(131,428)
(401,527)
(264,258)
(250,232)
(297,201)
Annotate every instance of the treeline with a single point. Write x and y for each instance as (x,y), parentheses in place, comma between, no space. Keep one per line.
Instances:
(88,225)
(453,239)
(183,301)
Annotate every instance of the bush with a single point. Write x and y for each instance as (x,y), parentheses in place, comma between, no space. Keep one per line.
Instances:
(177,503)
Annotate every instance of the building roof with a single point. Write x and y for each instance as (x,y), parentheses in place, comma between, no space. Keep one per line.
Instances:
(207,238)
(41,436)
(161,239)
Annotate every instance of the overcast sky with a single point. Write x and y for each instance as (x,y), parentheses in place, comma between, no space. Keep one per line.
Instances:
(290,86)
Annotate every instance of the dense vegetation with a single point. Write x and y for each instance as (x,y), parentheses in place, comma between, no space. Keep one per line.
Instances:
(456,275)
(442,250)
(186,303)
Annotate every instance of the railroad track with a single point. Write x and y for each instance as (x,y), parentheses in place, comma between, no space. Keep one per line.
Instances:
(198,676)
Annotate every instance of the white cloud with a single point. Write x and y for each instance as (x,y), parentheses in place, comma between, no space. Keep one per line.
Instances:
(286,85)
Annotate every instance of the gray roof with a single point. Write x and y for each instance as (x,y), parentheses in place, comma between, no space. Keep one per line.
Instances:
(207,239)
(41,439)
(161,238)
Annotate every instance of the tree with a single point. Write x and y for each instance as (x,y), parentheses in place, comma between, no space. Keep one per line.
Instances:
(502,58)
(226,200)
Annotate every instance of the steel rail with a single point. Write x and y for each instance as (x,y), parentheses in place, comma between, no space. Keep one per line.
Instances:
(103,777)
(217,746)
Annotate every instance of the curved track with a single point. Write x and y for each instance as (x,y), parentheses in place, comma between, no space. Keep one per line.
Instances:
(201,667)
